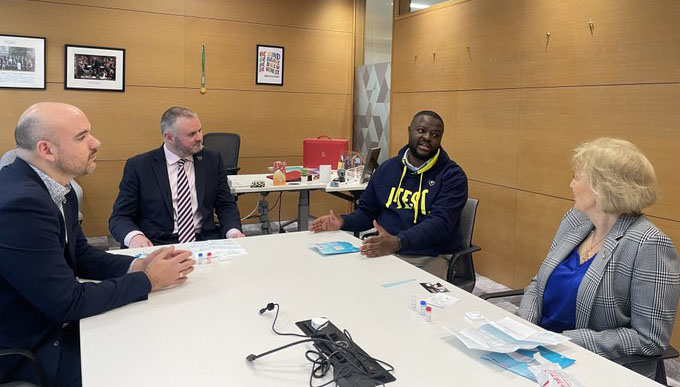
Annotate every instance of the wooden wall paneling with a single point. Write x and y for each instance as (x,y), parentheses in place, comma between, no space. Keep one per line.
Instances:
(553,121)
(272,123)
(495,231)
(482,116)
(156,6)
(406,105)
(314,61)
(151,58)
(631,42)
(538,218)
(478,45)
(332,15)
(412,47)
(124,129)
(452,49)
(100,190)
(117,121)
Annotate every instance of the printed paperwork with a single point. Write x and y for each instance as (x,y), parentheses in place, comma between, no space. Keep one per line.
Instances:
(506,335)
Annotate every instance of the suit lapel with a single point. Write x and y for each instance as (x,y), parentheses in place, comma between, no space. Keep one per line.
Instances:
(199,176)
(160,171)
(593,277)
(69,249)
(568,243)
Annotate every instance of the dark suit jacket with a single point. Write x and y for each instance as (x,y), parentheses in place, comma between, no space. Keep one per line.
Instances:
(39,291)
(144,200)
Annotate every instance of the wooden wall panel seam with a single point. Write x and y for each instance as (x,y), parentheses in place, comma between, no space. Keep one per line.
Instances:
(104,8)
(185,15)
(267,24)
(539,87)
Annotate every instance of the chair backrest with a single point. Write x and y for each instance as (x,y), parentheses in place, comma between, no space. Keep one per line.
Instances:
(467,222)
(8,157)
(461,271)
(228,144)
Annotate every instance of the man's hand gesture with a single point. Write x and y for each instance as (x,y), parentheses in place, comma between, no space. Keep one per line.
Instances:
(382,244)
(330,222)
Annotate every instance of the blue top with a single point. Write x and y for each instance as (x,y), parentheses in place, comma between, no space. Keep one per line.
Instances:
(559,297)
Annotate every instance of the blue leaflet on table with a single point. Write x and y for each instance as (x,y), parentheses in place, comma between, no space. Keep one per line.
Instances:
(332,248)
(520,360)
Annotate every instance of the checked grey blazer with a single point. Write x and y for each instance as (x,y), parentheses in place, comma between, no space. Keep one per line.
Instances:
(627,300)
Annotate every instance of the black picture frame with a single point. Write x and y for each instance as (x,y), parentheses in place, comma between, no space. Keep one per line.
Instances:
(22,62)
(94,68)
(264,71)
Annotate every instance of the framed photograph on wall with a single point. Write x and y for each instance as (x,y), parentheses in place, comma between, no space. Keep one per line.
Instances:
(94,68)
(269,70)
(22,62)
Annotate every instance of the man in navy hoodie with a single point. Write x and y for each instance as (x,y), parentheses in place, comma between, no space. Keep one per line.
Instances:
(414,200)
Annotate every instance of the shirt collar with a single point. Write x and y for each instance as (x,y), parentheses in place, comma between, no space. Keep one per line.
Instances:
(171,158)
(57,190)
(410,166)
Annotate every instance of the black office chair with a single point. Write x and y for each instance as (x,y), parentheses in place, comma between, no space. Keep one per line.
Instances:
(228,144)
(626,361)
(461,271)
(39,371)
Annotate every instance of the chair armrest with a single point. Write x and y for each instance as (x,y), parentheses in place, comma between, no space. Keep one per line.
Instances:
(460,253)
(507,293)
(669,353)
(233,171)
(42,379)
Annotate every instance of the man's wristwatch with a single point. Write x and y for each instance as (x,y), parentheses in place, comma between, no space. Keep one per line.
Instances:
(399,242)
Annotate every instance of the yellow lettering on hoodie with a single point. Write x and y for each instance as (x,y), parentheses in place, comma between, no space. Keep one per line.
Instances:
(414,199)
(422,201)
(396,197)
(389,199)
(405,197)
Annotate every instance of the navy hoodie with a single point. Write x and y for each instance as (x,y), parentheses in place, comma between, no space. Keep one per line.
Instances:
(421,208)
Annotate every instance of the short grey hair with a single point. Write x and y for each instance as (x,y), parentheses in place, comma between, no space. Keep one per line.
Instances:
(171,115)
(619,173)
(29,130)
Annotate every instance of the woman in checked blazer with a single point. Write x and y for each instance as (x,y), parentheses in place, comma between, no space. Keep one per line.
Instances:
(611,279)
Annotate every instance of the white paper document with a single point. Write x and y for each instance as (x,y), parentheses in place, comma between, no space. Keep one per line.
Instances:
(506,335)
(217,249)
(442,300)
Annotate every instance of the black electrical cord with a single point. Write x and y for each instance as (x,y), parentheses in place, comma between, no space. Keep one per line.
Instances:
(321,365)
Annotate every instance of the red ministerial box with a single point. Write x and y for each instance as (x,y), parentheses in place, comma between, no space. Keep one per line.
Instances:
(322,151)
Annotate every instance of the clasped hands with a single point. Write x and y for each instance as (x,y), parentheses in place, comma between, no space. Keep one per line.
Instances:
(382,244)
(166,267)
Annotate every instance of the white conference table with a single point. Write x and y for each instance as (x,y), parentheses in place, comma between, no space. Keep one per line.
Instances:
(241,184)
(199,334)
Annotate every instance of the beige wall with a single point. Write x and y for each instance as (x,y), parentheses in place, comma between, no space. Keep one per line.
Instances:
(163,41)
(516,103)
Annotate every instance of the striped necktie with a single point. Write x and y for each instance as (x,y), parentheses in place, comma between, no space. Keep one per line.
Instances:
(185,215)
